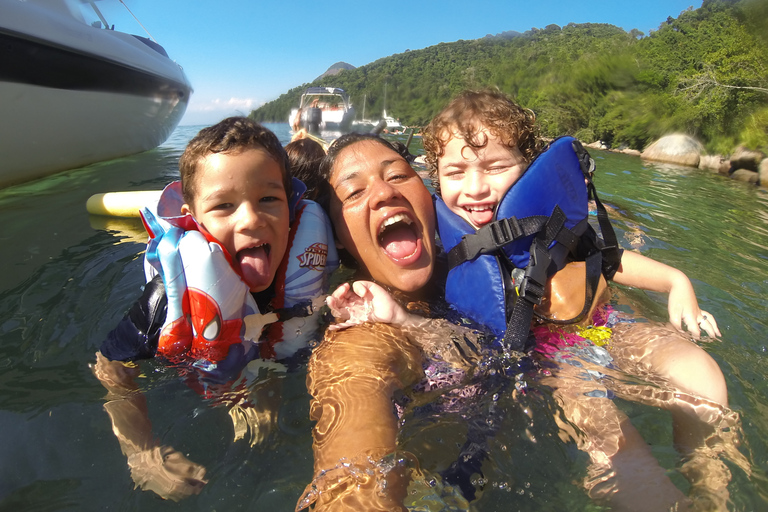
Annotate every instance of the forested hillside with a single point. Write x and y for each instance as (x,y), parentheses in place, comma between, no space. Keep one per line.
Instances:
(704,73)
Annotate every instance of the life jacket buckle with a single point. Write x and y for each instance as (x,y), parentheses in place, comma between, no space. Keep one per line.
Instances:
(505,231)
(532,285)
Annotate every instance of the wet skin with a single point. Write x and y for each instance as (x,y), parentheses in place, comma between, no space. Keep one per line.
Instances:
(474,180)
(383,215)
(240,199)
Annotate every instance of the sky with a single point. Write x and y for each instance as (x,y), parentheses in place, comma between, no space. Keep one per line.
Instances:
(240,54)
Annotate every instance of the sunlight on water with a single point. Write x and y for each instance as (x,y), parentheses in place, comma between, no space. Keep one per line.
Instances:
(69,277)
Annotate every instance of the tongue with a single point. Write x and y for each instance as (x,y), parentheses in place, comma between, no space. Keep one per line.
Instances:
(399,241)
(481,217)
(254,265)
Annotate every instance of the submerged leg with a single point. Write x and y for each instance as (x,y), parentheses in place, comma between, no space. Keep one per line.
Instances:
(692,387)
(623,472)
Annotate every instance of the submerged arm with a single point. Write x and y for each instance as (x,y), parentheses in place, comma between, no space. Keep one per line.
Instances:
(157,468)
(352,377)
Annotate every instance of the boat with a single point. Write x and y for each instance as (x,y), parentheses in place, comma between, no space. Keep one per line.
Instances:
(392,123)
(363,125)
(323,108)
(75,92)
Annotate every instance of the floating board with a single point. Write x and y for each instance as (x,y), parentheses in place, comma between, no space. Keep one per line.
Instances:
(122,204)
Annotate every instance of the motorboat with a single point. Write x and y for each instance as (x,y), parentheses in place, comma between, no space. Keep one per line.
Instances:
(74,91)
(392,123)
(323,108)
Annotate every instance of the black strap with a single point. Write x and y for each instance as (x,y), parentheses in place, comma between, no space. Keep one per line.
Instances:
(610,247)
(531,289)
(493,236)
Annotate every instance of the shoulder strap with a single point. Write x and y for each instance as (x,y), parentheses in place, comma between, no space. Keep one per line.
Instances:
(610,246)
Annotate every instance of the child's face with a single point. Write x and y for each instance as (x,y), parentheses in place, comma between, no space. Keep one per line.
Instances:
(473,182)
(240,199)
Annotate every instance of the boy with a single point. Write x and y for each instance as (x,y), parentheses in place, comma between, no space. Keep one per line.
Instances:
(223,251)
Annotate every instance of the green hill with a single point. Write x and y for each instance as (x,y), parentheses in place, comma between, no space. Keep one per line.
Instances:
(704,73)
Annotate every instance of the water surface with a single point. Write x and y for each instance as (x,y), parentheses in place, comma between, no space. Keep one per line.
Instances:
(69,277)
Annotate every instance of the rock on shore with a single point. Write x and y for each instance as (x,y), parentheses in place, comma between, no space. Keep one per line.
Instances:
(743,165)
(676,148)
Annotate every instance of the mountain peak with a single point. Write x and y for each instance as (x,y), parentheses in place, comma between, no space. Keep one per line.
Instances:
(336,68)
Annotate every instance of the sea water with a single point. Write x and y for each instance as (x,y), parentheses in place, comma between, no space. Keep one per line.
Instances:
(67,278)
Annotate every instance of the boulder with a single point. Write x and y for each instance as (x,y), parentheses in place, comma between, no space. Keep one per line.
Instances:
(763,172)
(598,144)
(676,148)
(745,175)
(715,163)
(629,151)
(743,158)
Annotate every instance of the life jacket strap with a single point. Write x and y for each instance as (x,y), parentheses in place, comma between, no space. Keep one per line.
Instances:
(493,237)
(532,287)
(610,247)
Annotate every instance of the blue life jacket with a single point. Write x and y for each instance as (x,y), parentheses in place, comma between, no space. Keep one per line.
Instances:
(498,273)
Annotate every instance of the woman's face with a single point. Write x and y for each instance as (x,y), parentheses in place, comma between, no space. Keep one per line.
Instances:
(383,215)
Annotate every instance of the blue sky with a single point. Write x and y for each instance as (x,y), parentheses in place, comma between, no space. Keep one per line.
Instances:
(239,54)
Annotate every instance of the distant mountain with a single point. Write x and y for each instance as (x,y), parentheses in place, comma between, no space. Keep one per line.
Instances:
(702,73)
(336,69)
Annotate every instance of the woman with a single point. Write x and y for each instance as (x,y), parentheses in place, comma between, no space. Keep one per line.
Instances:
(384,219)
(382,211)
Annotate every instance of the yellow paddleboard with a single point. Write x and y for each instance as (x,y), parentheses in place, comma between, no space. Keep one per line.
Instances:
(122,204)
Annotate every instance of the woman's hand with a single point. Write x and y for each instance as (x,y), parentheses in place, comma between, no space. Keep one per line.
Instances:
(365,301)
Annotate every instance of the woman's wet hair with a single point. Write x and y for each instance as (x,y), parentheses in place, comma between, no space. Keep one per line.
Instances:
(231,135)
(338,145)
(470,112)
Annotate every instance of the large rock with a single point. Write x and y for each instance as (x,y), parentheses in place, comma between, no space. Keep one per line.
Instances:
(743,158)
(763,173)
(745,175)
(677,148)
(714,163)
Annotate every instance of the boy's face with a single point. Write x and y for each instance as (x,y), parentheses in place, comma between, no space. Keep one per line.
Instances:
(473,181)
(240,199)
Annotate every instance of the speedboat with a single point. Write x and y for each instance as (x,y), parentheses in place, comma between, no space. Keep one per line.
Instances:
(74,92)
(323,108)
(392,123)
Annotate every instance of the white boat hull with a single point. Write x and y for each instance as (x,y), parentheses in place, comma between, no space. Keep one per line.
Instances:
(331,120)
(323,108)
(44,130)
(72,94)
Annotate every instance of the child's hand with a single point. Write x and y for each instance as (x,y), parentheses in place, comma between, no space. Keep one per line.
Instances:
(362,302)
(166,472)
(684,309)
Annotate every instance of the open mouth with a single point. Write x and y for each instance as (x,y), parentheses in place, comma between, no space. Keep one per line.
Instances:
(480,214)
(399,238)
